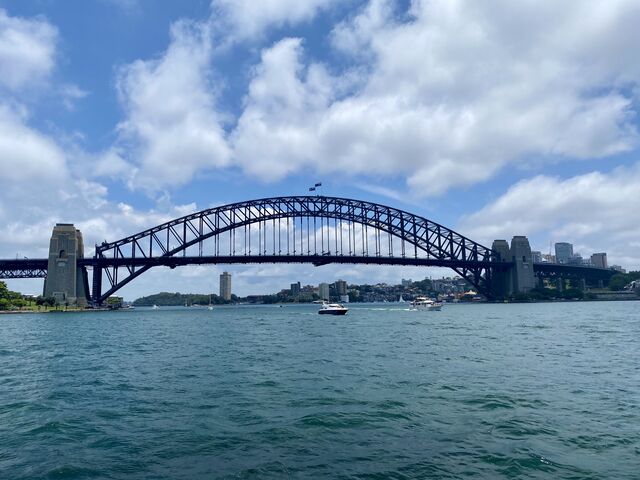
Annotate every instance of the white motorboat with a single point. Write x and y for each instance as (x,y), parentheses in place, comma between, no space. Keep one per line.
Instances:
(424,303)
(155,307)
(332,309)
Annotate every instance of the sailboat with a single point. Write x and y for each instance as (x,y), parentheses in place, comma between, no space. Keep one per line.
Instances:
(210,307)
(401,300)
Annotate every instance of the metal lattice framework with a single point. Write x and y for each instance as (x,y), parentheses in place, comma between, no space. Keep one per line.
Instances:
(311,229)
(23,268)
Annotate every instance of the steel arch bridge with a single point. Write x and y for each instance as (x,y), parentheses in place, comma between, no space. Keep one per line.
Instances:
(296,229)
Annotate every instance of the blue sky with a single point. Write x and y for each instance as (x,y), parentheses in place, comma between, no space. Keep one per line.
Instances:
(495,119)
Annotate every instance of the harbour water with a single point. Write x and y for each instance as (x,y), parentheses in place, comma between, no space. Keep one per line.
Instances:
(474,391)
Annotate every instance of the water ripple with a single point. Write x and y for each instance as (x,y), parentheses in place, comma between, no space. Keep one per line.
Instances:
(475,391)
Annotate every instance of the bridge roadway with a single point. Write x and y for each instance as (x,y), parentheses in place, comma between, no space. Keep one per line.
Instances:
(24,268)
(37,268)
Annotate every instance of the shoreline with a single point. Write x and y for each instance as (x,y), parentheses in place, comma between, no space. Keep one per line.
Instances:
(90,310)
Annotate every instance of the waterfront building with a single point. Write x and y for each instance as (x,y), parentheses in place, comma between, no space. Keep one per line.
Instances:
(443,285)
(536,256)
(323,291)
(225,286)
(599,260)
(295,288)
(564,252)
(341,288)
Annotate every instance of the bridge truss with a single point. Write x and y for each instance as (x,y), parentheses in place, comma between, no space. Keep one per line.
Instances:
(299,229)
(23,268)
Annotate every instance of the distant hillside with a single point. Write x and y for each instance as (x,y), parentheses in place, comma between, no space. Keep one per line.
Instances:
(177,299)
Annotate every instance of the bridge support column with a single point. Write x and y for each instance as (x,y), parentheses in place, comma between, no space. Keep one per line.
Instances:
(523,278)
(66,281)
(540,282)
(501,282)
(96,287)
(560,284)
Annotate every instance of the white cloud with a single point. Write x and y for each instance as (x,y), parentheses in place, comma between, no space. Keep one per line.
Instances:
(70,94)
(170,111)
(27,50)
(249,19)
(111,163)
(354,35)
(26,155)
(596,211)
(446,96)
(451,96)
(275,133)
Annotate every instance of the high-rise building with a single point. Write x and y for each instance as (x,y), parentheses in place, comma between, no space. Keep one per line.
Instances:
(225,286)
(295,288)
(564,252)
(599,260)
(536,256)
(323,291)
(341,287)
(576,259)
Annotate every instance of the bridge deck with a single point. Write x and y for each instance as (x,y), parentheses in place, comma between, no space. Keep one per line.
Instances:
(24,268)
(37,268)
(174,261)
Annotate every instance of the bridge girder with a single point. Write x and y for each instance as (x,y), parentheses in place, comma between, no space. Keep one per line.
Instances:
(23,268)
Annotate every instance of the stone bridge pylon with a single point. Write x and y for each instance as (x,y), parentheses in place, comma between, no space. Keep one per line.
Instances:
(66,281)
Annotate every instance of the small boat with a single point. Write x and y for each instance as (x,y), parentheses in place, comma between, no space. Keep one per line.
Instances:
(332,309)
(401,300)
(210,307)
(424,303)
(155,307)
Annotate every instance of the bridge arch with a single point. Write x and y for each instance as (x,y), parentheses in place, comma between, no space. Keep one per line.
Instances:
(292,224)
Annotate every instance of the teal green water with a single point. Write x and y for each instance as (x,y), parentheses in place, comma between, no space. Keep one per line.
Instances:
(474,391)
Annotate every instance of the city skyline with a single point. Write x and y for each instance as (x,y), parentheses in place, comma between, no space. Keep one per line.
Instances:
(117,116)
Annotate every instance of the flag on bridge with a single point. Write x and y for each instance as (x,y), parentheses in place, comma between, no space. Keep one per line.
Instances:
(312,189)
(318,185)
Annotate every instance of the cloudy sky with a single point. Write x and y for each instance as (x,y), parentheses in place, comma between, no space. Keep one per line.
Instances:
(495,118)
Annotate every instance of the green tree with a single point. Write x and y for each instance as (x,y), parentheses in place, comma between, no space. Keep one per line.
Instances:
(9,299)
(618,281)
(573,293)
